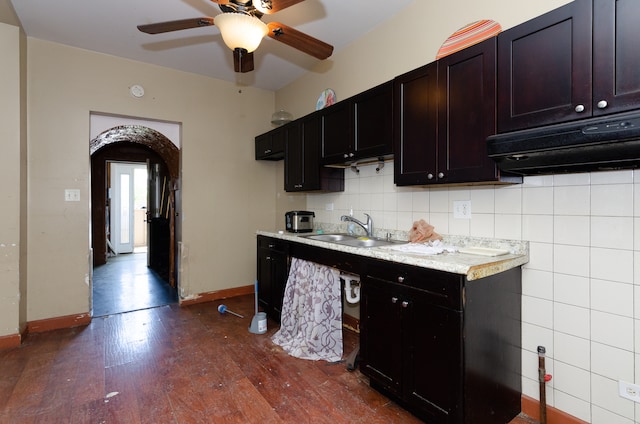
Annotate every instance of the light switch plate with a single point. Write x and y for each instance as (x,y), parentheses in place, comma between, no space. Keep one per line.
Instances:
(71,195)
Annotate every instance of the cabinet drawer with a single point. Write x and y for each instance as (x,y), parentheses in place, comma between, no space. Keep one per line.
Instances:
(438,287)
(272,244)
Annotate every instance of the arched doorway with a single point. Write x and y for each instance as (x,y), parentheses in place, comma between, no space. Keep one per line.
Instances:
(141,145)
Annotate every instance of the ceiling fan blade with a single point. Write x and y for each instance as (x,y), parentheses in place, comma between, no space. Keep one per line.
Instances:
(272,6)
(181,24)
(299,40)
(242,61)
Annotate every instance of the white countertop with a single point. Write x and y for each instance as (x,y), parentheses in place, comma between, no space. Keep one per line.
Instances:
(473,266)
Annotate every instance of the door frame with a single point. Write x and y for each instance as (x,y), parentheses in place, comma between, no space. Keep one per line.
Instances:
(142,141)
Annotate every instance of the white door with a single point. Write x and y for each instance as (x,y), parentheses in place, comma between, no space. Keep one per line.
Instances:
(122,209)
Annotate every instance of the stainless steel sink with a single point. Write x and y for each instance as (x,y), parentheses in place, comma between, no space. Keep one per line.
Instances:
(330,237)
(355,241)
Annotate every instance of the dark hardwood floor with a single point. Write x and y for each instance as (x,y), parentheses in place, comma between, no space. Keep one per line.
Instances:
(126,284)
(175,364)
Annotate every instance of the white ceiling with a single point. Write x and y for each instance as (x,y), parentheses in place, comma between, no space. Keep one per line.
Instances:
(109,26)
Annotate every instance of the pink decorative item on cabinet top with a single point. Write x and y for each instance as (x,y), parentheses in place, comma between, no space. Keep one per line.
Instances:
(469,35)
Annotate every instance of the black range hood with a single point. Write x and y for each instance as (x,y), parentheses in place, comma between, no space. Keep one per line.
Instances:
(595,144)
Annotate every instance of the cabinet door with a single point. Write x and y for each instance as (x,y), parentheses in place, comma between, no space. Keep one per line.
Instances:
(336,133)
(415,126)
(273,271)
(264,279)
(373,122)
(270,146)
(302,170)
(280,273)
(381,334)
(433,360)
(466,114)
(544,69)
(616,56)
(294,162)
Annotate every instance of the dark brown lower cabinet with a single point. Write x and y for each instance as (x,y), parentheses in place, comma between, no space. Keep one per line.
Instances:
(445,348)
(273,270)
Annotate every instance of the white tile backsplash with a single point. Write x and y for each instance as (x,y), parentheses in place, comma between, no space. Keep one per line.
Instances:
(612,200)
(537,228)
(570,379)
(572,200)
(508,200)
(537,311)
(612,264)
(612,232)
(611,362)
(604,416)
(572,405)
(572,289)
(572,229)
(612,297)
(581,287)
(612,330)
(572,350)
(537,200)
(605,395)
(571,319)
(613,177)
(573,260)
(537,283)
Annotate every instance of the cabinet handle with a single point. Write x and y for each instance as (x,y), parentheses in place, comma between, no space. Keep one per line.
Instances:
(267,151)
(394,300)
(430,176)
(405,304)
(271,246)
(346,155)
(440,174)
(602,104)
(268,258)
(350,155)
(579,108)
(400,279)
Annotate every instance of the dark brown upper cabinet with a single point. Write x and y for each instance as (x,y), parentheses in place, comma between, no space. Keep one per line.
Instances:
(359,127)
(444,112)
(270,145)
(467,116)
(302,170)
(415,125)
(575,62)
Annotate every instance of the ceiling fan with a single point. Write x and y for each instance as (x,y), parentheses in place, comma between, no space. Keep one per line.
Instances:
(242,30)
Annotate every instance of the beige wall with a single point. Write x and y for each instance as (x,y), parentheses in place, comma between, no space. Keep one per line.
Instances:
(226,195)
(10,140)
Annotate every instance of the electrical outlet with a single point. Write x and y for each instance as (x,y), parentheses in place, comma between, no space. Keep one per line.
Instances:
(462,209)
(629,391)
(71,195)
(328,206)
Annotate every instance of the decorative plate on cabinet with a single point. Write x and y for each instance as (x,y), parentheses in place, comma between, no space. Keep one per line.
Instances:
(469,35)
(327,98)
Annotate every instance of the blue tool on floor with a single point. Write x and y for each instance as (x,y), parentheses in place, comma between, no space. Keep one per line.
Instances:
(223,309)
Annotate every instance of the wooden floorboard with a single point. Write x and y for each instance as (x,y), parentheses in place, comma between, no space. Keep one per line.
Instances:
(175,364)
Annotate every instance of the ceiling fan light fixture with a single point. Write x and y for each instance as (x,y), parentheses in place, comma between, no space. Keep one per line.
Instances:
(262,6)
(241,31)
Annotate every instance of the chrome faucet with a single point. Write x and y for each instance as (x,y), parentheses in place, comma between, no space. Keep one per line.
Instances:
(368,227)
